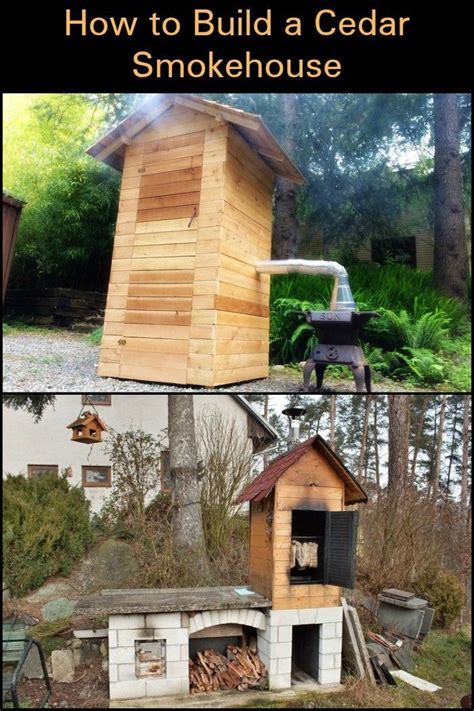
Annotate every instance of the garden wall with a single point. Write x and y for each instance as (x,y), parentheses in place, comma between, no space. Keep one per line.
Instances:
(82,310)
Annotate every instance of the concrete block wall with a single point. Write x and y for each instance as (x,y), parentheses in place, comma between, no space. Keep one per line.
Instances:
(275,639)
(124,630)
(275,644)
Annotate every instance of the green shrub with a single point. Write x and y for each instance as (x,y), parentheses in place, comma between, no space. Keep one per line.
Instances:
(398,330)
(420,365)
(46,529)
(95,336)
(443,592)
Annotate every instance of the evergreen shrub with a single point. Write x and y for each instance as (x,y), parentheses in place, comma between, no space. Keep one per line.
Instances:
(46,529)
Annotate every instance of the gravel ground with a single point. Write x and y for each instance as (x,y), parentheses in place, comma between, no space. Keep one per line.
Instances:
(67,362)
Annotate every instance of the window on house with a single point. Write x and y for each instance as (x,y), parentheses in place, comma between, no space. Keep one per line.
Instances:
(96,476)
(96,399)
(394,249)
(35,470)
(323,547)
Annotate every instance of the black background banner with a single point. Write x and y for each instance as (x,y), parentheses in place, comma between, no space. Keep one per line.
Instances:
(431,56)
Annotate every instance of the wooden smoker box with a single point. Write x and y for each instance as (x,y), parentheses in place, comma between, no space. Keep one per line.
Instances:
(185,304)
(302,495)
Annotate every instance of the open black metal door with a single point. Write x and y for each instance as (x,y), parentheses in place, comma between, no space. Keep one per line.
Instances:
(341,533)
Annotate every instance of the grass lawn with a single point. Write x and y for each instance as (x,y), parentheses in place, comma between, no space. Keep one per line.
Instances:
(444,659)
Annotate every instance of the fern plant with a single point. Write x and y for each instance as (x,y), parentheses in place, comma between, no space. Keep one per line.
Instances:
(399,330)
(422,365)
(291,339)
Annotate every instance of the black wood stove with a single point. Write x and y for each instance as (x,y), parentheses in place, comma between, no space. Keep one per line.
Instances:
(338,333)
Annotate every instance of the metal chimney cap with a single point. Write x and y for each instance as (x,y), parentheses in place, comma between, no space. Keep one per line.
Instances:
(294,412)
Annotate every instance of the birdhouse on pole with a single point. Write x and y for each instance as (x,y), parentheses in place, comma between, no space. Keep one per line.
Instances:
(87,428)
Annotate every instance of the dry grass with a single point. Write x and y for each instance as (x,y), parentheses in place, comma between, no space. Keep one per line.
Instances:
(445,659)
(414,544)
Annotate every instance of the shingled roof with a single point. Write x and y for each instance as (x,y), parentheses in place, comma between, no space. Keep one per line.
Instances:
(260,487)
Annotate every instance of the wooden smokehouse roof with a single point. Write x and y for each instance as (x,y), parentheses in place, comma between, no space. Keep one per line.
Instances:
(260,487)
(111,147)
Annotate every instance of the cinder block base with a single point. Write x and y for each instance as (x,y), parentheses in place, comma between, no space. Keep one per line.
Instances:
(275,644)
(124,630)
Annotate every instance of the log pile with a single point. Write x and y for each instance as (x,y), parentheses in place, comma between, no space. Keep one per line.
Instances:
(240,669)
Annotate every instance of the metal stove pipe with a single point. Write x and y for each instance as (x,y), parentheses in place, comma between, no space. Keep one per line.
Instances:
(341,298)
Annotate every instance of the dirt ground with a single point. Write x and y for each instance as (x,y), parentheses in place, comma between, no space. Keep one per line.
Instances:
(90,689)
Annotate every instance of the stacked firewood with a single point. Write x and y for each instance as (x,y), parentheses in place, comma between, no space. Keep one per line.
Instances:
(241,669)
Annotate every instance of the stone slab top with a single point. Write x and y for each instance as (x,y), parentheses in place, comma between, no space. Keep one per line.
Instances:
(151,600)
(400,594)
(415,603)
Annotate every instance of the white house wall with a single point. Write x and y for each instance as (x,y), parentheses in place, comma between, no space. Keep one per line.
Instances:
(49,442)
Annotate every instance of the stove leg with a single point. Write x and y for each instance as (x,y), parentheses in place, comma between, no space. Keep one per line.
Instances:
(358,371)
(307,370)
(320,370)
(368,378)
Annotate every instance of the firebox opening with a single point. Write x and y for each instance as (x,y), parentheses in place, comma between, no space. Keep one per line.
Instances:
(305,654)
(219,637)
(218,644)
(307,542)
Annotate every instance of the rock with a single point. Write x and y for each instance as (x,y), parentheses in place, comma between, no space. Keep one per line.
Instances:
(95,648)
(111,565)
(28,619)
(78,657)
(75,643)
(105,664)
(32,668)
(63,665)
(278,367)
(50,590)
(85,652)
(103,649)
(57,609)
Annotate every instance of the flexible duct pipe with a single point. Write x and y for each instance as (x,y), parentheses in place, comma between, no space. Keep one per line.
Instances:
(341,298)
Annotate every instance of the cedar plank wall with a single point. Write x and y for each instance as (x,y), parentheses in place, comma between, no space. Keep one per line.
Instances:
(242,300)
(203,315)
(151,283)
(261,563)
(229,321)
(292,491)
(186,299)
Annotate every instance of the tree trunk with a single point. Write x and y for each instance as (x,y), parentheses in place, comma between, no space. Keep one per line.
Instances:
(362,470)
(438,449)
(286,231)
(398,441)
(418,437)
(450,269)
(376,447)
(465,455)
(186,519)
(332,421)
(452,453)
